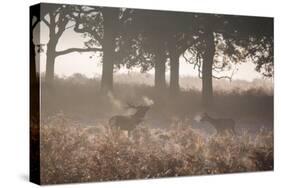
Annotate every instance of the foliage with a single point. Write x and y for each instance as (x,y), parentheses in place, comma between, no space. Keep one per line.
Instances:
(71,152)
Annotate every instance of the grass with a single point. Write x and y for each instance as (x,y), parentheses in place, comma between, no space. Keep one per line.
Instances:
(71,152)
(80,96)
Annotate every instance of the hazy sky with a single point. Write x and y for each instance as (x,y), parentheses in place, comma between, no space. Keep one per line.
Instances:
(69,64)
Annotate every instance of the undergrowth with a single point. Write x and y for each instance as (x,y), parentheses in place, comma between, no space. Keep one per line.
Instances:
(71,152)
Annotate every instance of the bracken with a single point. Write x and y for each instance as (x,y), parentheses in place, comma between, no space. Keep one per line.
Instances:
(74,153)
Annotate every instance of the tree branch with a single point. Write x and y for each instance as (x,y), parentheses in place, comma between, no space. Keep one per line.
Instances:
(186,59)
(62,28)
(125,15)
(198,64)
(46,22)
(79,20)
(90,31)
(69,27)
(71,50)
(80,10)
(97,37)
(222,77)
(33,25)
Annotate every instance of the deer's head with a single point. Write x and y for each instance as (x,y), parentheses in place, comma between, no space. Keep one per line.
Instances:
(204,117)
(140,109)
(143,109)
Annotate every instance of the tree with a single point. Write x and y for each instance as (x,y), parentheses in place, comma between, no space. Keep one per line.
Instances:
(105,27)
(178,42)
(205,28)
(178,37)
(255,37)
(57,19)
(234,38)
(174,67)
(151,50)
(159,33)
(35,17)
(159,65)
(110,23)
(207,75)
(37,14)
(34,20)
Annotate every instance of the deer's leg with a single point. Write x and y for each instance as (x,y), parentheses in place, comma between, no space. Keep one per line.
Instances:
(233,131)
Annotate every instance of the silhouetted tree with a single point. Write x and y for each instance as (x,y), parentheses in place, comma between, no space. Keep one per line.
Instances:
(239,36)
(34,21)
(105,26)
(36,16)
(174,67)
(159,64)
(160,38)
(110,24)
(206,27)
(57,19)
(152,50)
(179,38)
(177,42)
(207,66)
(255,36)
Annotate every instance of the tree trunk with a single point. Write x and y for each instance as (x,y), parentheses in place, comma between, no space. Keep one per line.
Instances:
(50,63)
(208,59)
(160,69)
(32,56)
(107,68)
(34,87)
(51,52)
(174,73)
(110,19)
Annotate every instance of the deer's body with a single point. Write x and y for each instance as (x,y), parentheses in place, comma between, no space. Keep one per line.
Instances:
(128,123)
(220,124)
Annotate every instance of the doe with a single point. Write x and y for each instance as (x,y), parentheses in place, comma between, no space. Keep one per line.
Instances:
(220,124)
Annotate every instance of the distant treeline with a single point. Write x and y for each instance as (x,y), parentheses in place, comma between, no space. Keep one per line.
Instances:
(187,83)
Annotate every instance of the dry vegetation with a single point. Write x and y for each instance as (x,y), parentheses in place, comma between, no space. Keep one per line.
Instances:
(71,152)
(78,146)
(80,97)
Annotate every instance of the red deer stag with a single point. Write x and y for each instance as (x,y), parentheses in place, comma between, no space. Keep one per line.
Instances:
(129,122)
(221,125)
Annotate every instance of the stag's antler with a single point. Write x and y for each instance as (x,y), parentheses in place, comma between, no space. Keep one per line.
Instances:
(131,105)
